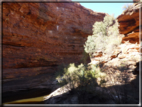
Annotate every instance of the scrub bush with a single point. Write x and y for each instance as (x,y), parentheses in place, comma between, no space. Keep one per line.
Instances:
(105,37)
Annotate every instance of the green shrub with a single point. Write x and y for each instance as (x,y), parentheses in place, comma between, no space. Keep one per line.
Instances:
(81,76)
(105,37)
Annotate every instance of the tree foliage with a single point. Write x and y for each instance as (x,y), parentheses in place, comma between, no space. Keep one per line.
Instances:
(105,36)
(81,75)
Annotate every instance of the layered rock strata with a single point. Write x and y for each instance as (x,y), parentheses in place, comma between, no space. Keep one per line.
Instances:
(37,37)
(130,23)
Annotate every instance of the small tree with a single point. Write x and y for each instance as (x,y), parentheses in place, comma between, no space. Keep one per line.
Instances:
(105,36)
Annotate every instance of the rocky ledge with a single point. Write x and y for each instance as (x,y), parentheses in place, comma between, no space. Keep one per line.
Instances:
(129,23)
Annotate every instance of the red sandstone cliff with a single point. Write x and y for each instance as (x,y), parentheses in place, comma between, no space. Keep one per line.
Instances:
(129,23)
(36,37)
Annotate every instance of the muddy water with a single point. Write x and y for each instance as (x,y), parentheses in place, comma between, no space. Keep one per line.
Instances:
(27,90)
(31,96)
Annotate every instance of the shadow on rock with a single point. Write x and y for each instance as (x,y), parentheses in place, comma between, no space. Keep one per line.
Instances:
(124,93)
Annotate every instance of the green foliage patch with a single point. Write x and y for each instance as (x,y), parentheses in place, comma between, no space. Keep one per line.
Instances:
(105,37)
(80,76)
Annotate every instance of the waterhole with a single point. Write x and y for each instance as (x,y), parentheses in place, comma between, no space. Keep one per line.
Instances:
(30,96)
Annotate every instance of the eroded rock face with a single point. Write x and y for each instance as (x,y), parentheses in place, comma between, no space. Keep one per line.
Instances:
(129,23)
(130,47)
(126,56)
(126,52)
(37,37)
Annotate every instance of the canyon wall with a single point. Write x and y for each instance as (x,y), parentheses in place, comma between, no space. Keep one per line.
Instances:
(129,23)
(37,37)
(127,55)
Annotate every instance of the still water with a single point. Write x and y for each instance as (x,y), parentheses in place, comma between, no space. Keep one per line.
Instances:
(32,96)
(36,100)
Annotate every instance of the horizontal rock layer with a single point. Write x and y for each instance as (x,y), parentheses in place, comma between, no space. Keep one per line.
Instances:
(129,23)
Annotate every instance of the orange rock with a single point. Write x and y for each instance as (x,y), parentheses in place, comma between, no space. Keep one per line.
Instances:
(133,38)
(98,54)
(129,22)
(44,35)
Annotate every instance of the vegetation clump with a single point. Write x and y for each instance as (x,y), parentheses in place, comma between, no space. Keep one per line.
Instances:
(80,76)
(105,37)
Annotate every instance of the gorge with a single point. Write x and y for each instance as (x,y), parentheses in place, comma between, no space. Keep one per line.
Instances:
(39,37)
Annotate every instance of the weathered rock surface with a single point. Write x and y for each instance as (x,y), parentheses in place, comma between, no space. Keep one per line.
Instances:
(127,52)
(120,66)
(130,47)
(126,56)
(64,95)
(37,37)
(129,23)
